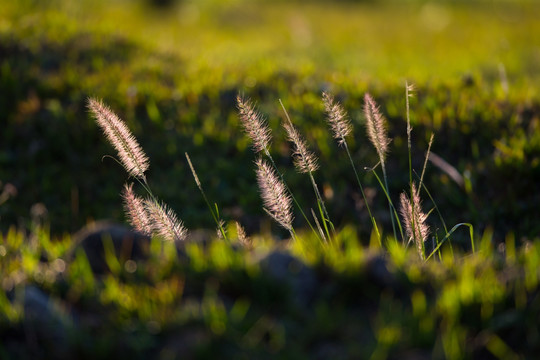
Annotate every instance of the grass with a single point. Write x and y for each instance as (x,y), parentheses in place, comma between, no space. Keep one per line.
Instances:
(59,57)
(174,77)
(355,301)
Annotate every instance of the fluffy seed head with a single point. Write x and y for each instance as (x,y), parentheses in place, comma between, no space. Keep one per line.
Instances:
(277,201)
(136,211)
(242,237)
(164,221)
(254,124)
(304,160)
(337,118)
(129,151)
(414,219)
(376,127)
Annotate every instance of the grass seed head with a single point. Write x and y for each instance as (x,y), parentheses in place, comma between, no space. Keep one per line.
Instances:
(242,237)
(254,124)
(337,118)
(414,219)
(376,127)
(304,160)
(135,210)
(129,151)
(165,222)
(277,201)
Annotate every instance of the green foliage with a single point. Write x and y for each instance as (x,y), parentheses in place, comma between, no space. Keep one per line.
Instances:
(476,73)
(216,299)
(181,91)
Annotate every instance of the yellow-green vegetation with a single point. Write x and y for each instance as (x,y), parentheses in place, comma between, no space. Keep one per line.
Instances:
(340,301)
(173,73)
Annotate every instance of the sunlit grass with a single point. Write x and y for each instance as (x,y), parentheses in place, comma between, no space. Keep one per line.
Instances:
(476,70)
(439,308)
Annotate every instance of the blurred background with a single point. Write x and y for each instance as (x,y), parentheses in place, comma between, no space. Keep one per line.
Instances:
(172,69)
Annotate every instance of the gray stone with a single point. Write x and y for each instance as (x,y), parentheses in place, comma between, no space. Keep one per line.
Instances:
(289,270)
(46,322)
(128,244)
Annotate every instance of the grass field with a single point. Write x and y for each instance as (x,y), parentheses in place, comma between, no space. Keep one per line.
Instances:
(173,73)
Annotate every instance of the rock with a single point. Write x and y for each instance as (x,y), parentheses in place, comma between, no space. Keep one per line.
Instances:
(128,244)
(289,270)
(376,268)
(46,325)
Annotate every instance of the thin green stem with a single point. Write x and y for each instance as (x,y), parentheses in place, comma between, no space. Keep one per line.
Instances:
(392,208)
(409,130)
(409,150)
(325,216)
(390,204)
(318,226)
(214,215)
(426,158)
(439,213)
(293,234)
(362,191)
(471,234)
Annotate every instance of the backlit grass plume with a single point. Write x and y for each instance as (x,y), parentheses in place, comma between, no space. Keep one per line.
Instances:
(257,129)
(242,236)
(148,216)
(135,210)
(414,219)
(341,127)
(131,155)
(277,201)
(254,124)
(304,160)
(377,133)
(165,222)
(337,118)
(376,128)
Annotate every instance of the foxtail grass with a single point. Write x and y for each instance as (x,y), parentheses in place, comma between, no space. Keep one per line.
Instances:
(414,219)
(341,128)
(242,236)
(411,211)
(130,153)
(165,222)
(134,207)
(377,134)
(149,216)
(276,199)
(255,125)
(256,128)
(306,162)
(153,217)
